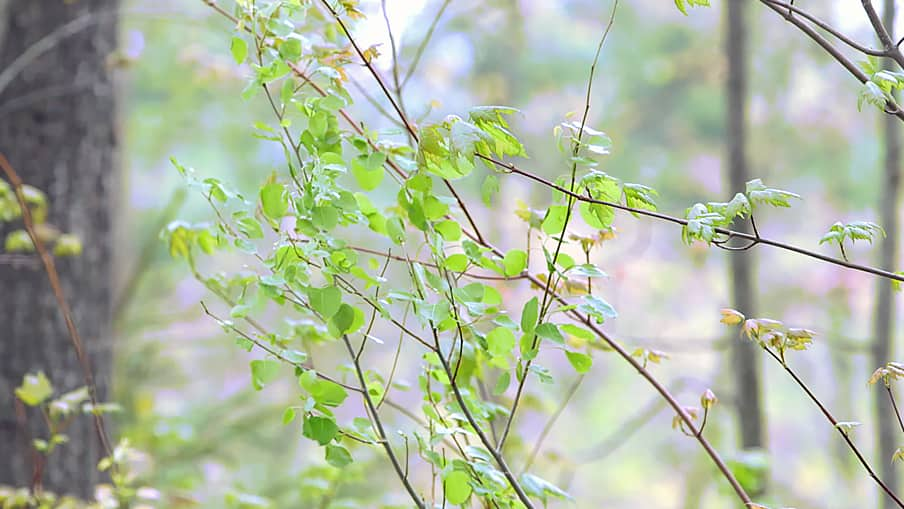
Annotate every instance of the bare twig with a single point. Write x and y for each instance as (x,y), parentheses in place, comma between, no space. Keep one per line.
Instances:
(60,296)
(378,425)
(829,417)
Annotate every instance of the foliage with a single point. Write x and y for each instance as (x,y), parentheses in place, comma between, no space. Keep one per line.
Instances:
(37,392)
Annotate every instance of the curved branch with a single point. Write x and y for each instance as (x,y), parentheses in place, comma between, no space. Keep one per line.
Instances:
(828,28)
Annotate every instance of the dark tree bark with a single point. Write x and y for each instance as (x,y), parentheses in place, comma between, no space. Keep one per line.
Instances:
(745,354)
(58,132)
(886,421)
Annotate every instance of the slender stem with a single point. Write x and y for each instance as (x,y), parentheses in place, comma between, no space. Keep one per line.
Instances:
(63,304)
(829,417)
(271,351)
(424,42)
(879,27)
(484,439)
(894,405)
(378,424)
(569,394)
(828,28)
(578,142)
(373,71)
(830,49)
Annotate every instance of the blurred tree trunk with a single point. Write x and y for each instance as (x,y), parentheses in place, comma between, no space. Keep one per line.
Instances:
(59,134)
(886,421)
(745,357)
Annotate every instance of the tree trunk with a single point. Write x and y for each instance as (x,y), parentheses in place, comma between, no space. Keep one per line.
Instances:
(58,132)
(886,421)
(745,355)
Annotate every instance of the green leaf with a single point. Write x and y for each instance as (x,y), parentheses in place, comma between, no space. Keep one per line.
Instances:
(587,270)
(324,392)
(529,315)
(554,221)
(325,301)
(457,262)
(580,361)
(263,372)
(500,341)
(489,188)
(551,332)
(290,49)
(502,383)
(320,429)
(757,192)
(515,262)
(35,389)
(239,49)
(369,171)
(325,217)
(288,416)
(597,308)
(456,487)
(343,319)
(338,456)
(682,4)
(274,200)
(542,488)
(449,230)
(639,196)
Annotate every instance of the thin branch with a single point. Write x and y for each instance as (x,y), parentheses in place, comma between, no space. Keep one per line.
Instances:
(894,405)
(544,306)
(484,439)
(372,69)
(830,49)
(829,417)
(683,222)
(424,42)
(63,305)
(378,424)
(882,32)
(829,28)
(572,390)
(273,352)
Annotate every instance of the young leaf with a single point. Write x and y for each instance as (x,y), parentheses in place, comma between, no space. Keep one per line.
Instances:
(35,389)
(239,49)
(274,200)
(325,301)
(320,429)
(529,315)
(580,361)
(338,456)
(456,487)
(515,262)
(263,372)
(500,341)
(597,308)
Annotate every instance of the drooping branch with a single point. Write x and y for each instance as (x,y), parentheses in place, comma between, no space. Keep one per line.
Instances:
(802,25)
(832,420)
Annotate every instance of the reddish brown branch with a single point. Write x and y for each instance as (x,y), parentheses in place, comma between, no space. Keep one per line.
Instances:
(54,278)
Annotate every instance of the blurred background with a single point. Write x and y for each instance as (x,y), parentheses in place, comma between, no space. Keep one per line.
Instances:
(212,441)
